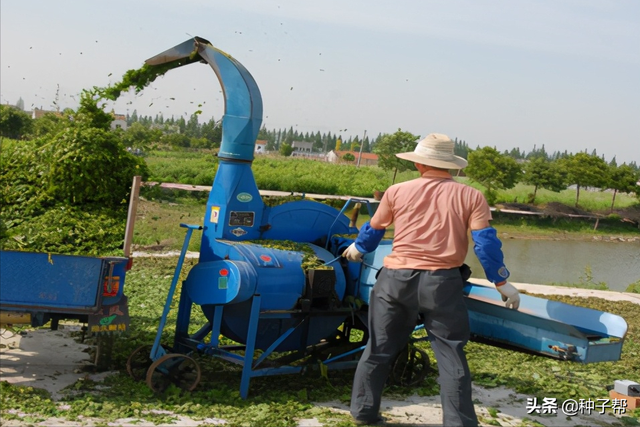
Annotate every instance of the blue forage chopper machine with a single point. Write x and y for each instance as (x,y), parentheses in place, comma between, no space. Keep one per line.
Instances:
(284,318)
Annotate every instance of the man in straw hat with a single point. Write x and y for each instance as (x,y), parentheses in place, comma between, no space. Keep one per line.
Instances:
(423,275)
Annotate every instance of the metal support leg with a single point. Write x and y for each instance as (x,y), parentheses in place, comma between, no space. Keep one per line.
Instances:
(157,351)
(182,322)
(217,322)
(247,368)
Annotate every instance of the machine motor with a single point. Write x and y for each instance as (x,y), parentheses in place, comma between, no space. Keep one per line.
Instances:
(320,290)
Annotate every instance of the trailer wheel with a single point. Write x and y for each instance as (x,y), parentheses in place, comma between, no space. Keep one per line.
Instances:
(410,367)
(177,369)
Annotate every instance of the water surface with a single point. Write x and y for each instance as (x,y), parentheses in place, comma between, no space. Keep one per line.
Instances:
(556,261)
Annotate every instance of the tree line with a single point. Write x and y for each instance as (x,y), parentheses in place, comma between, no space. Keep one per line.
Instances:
(496,170)
(493,169)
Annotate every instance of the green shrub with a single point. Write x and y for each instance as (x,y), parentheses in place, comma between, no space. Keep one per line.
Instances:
(67,191)
(634,288)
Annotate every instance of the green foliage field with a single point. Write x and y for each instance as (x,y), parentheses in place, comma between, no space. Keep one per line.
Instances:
(309,176)
(277,173)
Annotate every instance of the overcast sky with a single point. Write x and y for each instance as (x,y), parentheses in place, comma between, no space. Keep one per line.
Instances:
(503,73)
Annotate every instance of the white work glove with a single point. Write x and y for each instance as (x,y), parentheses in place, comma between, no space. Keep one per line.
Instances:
(352,254)
(510,295)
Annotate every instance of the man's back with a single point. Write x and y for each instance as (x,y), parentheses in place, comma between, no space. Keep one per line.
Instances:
(432,215)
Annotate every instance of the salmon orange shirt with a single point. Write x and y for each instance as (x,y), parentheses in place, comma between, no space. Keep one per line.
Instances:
(431,216)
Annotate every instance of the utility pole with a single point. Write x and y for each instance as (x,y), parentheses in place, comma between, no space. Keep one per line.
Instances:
(361,147)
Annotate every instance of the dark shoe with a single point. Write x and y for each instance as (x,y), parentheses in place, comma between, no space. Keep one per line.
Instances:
(377,422)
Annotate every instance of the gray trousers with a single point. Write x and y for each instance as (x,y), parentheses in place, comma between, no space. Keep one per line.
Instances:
(395,302)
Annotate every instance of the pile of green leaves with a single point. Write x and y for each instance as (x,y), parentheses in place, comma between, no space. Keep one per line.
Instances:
(310,260)
(67,191)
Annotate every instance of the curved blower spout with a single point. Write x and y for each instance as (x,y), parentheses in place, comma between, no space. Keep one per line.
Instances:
(243,103)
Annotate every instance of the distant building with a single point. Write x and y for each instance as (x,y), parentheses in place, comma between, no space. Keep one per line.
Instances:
(39,112)
(301,147)
(261,146)
(366,159)
(119,124)
(307,155)
(119,121)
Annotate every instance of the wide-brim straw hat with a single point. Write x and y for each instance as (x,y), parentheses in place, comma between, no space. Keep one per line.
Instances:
(435,150)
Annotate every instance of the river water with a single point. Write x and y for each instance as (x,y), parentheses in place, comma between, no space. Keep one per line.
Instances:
(546,262)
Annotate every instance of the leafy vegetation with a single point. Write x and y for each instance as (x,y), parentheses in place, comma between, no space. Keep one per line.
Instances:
(622,179)
(282,400)
(543,174)
(391,144)
(67,191)
(14,123)
(586,171)
(634,288)
(138,79)
(309,259)
(493,170)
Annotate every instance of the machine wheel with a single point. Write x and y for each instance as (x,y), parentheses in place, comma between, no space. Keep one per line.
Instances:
(178,369)
(139,362)
(410,367)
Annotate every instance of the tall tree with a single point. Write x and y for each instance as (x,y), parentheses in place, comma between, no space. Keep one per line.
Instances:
(493,170)
(133,118)
(192,129)
(544,174)
(140,137)
(623,179)
(212,132)
(285,149)
(460,148)
(14,123)
(182,124)
(586,170)
(391,144)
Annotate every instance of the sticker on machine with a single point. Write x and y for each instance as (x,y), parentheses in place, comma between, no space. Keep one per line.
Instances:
(215,214)
(238,232)
(241,219)
(244,197)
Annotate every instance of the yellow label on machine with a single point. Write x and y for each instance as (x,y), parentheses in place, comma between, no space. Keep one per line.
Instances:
(215,214)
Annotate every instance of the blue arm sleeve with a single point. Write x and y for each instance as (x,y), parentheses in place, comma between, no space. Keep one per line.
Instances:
(488,249)
(368,238)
